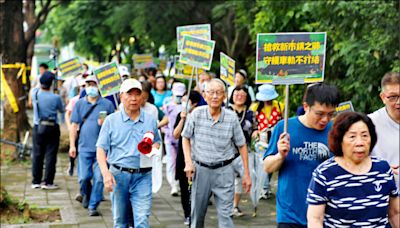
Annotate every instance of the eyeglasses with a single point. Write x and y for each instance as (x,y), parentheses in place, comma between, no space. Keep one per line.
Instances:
(322,114)
(218,93)
(394,98)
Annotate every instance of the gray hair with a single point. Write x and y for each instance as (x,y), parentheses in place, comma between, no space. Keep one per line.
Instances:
(216,80)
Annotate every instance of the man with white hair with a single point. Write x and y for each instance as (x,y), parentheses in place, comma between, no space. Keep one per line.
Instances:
(210,140)
(126,171)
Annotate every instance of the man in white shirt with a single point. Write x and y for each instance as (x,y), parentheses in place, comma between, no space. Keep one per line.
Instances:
(387,122)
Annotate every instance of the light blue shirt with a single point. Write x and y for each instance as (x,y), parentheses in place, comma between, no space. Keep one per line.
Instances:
(90,128)
(119,137)
(49,103)
(159,98)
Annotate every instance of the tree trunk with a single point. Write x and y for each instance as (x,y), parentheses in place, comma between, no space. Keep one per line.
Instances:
(13,50)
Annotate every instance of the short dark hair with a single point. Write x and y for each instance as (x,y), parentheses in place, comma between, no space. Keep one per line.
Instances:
(390,78)
(342,124)
(146,86)
(195,97)
(44,65)
(322,93)
(244,88)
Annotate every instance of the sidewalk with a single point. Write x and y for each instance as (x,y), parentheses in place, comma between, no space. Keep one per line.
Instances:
(166,210)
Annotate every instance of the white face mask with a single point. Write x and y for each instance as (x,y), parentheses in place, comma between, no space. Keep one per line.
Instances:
(183,104)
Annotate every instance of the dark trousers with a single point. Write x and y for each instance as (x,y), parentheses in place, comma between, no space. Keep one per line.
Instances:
(184,185)
(45,147)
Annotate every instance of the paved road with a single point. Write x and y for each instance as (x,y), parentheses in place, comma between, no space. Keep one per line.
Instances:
(166,211)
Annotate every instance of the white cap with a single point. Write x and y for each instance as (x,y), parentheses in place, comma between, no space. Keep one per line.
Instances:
(123,70)
(81,82)
(91,78)
(129,84)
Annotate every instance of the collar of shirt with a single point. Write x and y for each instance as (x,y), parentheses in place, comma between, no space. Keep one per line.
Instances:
(221,116)
(97,101)
(126,118)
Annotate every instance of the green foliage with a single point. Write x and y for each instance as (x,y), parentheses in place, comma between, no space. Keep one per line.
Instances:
(362,42)
(362,36)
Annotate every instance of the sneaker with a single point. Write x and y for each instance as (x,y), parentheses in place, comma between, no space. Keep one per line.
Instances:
(186,221)
(49,186)
(237,212)
(85,202)
(266,195)
(78,197)
(174,192)
(35,186)
(93,212)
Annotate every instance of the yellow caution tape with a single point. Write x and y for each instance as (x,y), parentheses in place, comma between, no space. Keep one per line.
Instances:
(21,72)
(5,89)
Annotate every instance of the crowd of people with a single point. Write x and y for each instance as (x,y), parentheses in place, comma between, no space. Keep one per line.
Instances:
(333,170)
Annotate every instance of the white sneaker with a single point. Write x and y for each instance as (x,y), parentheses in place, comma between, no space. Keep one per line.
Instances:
(237,212)
(174,192)
(49,186)
(187,221)
(35,186)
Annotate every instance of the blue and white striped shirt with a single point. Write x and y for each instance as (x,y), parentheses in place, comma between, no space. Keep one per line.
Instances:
(353,200)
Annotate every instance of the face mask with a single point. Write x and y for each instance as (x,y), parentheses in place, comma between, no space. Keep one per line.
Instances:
(178,100)
(184,106)
(202,86)
(92,91)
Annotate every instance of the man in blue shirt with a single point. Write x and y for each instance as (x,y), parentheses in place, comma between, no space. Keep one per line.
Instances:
(86,116)
(128,172)
(46,132)
(296,153)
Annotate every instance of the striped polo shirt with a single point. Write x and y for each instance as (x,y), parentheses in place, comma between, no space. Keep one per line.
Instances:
(213,141)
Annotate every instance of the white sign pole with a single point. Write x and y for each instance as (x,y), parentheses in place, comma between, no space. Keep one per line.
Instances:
(286,109)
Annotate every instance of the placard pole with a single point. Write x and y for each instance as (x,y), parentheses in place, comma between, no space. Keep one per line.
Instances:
(286,108)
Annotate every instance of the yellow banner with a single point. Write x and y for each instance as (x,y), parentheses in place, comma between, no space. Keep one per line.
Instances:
(6,90)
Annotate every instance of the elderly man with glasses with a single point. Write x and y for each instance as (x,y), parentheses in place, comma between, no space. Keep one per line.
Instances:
(210,138)
(296,153)
(387,122)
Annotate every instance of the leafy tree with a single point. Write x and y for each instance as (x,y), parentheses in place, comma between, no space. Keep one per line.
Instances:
(362,42)
(16,46)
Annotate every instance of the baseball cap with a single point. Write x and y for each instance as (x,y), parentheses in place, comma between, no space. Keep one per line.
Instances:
(178,89)
(47,79)
(91,78)
(129,84)
(123,70)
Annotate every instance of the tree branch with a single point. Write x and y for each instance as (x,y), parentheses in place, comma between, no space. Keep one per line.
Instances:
(39,20)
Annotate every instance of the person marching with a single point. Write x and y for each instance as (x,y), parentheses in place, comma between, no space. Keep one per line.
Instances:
(87,117)
(240,102)
(126,171)
(209,140)
(297,152)
(268,112)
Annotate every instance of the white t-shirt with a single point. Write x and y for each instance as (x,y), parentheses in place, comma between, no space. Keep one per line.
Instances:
(388,144)
(151,109)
